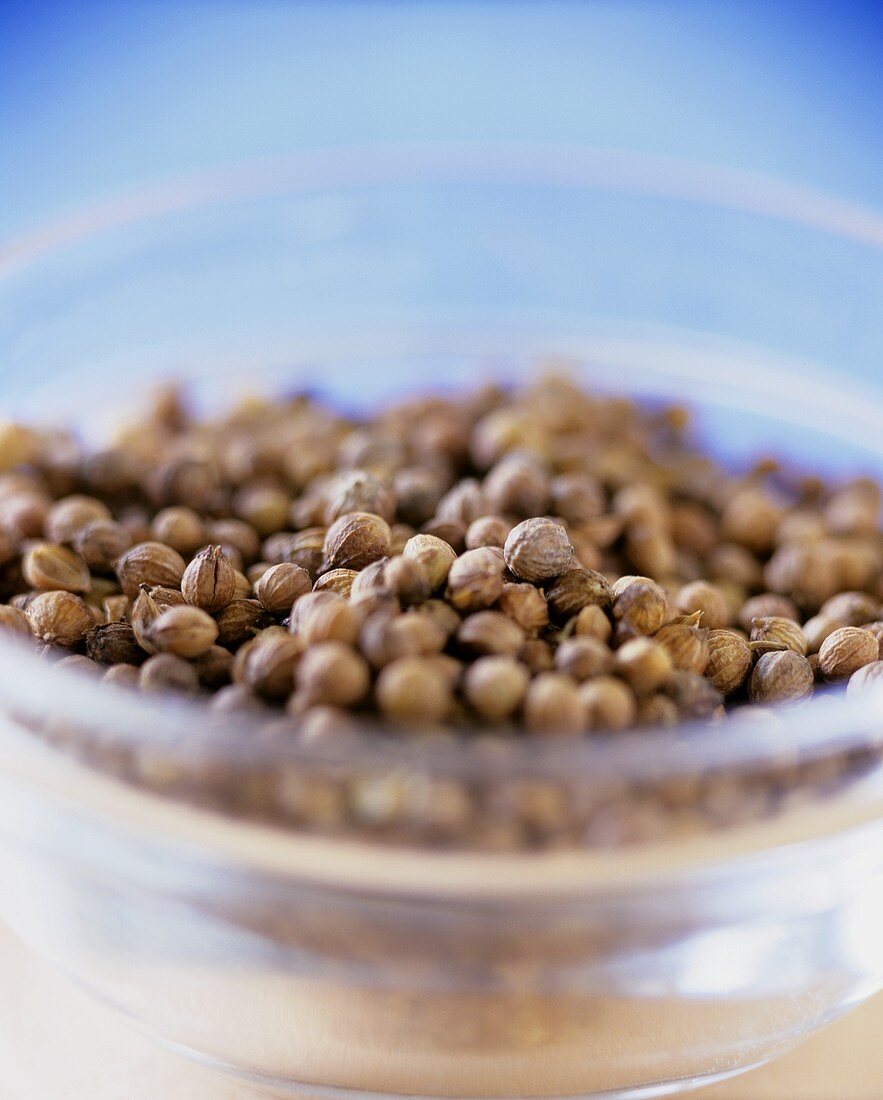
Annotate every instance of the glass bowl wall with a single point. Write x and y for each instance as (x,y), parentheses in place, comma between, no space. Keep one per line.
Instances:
(323,962)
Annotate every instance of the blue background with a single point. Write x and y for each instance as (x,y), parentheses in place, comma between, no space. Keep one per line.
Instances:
(94,96)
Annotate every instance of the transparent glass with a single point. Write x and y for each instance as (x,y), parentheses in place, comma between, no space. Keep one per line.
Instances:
(638,954)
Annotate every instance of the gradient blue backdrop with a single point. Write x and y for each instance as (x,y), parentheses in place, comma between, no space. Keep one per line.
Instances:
(95,95)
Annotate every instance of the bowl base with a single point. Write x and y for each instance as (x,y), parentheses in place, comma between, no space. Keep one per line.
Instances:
(287,1088)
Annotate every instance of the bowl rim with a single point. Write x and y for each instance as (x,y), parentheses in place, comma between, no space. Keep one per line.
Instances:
(832,723)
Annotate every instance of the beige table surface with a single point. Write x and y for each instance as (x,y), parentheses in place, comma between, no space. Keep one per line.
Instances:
(55,1044)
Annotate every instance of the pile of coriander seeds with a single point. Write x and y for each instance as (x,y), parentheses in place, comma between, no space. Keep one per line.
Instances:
(539,562)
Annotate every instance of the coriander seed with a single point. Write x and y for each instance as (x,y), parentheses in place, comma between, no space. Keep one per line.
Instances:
(100,543)
(185,631)
(575,589)
(686,643)
(487,531)
(538,549)
(583,658)
(776,633)
(553,707)
(525,605)
(781,676)
(149,563)
(209,581)
(475,579)
(167,672)
(267,663)
(640,606)
(60,618)
(729,660)
(707,598)
(434,554)
(495,686)
(51,567)
(332,674)
(845,651)
(113,644)
(608,704)
(488,632)
(644,664)
(280,585)
(412,689)
(355,540)
(593,622)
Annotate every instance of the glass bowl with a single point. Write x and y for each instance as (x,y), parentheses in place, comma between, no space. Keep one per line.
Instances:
(629,916)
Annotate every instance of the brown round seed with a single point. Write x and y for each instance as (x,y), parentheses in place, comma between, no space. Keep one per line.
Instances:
(358,492)
(488,632)
(640,606)
(179,527)
(239,621)
(845,651)
(239,535)
(729,660)
(338,580)
(462,504)
(121,676)
(209,581)
(100,543)
(325,617)
(593,622)
(525,605)
(68,516)
(851,608)
(817,629)
(769,605)
(693,695)
(114,644)
(495,686)
(537,655)
(167,672)
(407,579)
(643,664)
(355,540)
(576,498)
(608,704)
(575,589)
(149,563)
(553,707)
(583,658)
(214,667)
(434,554)
(518,485)
(773,633)
(487,531)
(333,674)
(185,631)
(657,711)
(687,644)
(781,676)
(279,586)
(385,637)
(267,663)
(51,567)
(60,618)
(538,549)
(413,689)
(475,579)
(707,598)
